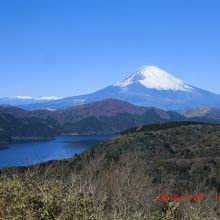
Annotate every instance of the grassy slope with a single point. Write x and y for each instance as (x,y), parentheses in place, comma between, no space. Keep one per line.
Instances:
(122,178)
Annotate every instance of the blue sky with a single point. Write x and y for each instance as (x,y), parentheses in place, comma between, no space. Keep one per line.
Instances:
(70,47)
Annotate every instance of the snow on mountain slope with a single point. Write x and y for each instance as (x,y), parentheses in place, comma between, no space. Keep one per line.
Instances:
(153,77)
(41,98)
(23,97)
(48,98)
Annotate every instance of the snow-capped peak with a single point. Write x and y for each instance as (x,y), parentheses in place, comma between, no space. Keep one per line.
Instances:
(24,97)
(48,98)
(153,77)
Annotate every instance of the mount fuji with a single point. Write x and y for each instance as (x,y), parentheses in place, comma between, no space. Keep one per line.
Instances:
(148,86)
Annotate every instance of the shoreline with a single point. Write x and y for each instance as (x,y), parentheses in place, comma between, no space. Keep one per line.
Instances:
(17,139)
(14,140)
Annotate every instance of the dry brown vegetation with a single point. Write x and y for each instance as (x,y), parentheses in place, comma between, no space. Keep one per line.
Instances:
(113,181)
(122,193)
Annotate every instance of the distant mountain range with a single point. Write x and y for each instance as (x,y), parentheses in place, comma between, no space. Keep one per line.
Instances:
(25,100)
(107,116)
(201,113)
(109,110)
(148,86)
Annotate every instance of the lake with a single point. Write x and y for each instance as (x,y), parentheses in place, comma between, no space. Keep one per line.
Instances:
(29,153)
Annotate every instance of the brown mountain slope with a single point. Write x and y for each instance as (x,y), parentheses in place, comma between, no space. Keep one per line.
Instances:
(206,113)
(101,117)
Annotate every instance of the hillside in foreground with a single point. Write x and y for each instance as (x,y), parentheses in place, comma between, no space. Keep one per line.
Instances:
(122,178)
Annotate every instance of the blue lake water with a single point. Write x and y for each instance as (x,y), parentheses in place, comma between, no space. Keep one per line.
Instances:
(28,153)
